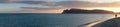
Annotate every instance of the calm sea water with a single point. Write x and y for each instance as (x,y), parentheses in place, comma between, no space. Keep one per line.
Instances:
(50,20)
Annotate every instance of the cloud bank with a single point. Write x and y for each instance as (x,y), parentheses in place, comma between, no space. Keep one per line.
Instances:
(47,5)
(69,4)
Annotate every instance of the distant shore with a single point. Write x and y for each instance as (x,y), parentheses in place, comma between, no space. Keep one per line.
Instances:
(82,11)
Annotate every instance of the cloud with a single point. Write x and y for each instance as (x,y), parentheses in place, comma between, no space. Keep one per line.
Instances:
(75,4)
(31,2)
(72,4)
(22,1)
(41,5)
(66,4)
(2,1)
(85,4)
(38,8)
(7,1)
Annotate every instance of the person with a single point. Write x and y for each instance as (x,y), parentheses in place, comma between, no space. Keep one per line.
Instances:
(116,15)
(116,21)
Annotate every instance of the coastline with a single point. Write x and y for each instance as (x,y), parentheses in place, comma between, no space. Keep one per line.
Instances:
(96,23)
(114,22)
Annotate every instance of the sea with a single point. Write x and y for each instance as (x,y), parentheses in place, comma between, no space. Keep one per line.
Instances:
(50,20)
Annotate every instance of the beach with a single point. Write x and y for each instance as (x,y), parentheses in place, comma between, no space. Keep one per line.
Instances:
(115,22)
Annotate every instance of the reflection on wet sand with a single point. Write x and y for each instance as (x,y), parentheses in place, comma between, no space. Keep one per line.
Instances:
(95,23)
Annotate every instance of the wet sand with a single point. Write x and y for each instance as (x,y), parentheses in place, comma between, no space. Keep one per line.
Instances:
(115,22)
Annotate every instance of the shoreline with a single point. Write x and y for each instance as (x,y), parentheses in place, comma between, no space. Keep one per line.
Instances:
(114,22)
(97,23)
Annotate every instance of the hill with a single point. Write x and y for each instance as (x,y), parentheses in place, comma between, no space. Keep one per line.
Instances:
(82,11)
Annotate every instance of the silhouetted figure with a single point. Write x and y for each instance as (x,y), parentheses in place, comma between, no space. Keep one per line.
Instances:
(116,25)
(116,15)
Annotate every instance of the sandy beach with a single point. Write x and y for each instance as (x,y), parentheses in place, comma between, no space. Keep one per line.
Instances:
(115,22)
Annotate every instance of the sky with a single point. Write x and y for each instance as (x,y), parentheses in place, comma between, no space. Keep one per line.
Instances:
(56,6)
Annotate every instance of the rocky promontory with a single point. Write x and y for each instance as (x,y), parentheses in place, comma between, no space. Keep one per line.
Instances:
(82,11)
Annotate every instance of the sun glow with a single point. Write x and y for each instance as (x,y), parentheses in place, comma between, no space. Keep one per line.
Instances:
(108,9)
(115,9)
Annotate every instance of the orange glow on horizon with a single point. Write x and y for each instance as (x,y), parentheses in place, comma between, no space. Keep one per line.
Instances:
(109,9)
(61,10)
(114,9)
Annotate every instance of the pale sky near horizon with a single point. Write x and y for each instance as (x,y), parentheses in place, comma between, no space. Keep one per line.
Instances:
(55,6)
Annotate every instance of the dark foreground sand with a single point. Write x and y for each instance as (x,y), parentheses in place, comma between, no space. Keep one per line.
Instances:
(115,22)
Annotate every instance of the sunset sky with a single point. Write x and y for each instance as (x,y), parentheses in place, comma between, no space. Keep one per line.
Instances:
(56,6)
